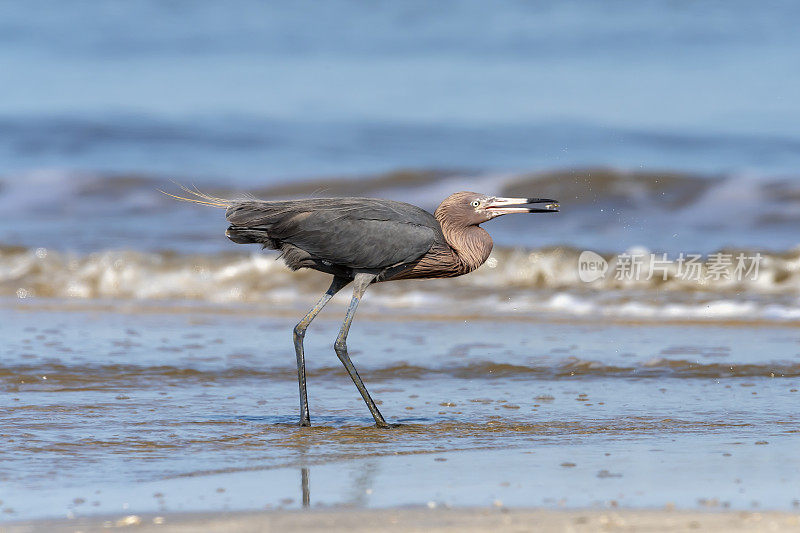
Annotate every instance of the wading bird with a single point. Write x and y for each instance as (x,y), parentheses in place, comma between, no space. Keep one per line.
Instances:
(364,241)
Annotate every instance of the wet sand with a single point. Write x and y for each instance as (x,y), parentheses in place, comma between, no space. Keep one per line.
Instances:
(194,410)
(438,520)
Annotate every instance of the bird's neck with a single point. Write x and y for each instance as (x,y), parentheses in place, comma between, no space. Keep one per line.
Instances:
(471,244)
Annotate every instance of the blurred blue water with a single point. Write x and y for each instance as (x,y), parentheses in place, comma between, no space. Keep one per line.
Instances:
(261,91)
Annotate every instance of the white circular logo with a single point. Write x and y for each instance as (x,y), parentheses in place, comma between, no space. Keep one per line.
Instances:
(591,266)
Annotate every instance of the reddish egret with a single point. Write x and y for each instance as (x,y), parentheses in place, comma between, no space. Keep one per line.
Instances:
(364,241)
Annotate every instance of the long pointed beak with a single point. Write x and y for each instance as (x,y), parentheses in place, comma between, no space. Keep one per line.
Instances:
(504,206)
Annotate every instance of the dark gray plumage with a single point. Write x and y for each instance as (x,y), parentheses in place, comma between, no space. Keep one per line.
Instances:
(364,241)
(355,233)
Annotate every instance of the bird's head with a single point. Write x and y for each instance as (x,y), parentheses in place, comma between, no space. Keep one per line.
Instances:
(471,208)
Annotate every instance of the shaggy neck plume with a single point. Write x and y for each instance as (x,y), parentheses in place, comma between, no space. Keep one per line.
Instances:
(471,244)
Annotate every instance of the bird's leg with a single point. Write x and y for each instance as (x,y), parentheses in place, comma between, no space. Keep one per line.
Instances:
(300,332)
(361,282)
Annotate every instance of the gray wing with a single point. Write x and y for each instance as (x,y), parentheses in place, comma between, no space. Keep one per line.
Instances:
(351,232)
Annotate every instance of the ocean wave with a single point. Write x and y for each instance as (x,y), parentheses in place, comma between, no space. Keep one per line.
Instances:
(30,272)
(700,197)
(602,208)
(513,281)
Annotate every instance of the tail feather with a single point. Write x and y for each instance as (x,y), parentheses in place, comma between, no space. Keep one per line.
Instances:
(198,197)
(242,213)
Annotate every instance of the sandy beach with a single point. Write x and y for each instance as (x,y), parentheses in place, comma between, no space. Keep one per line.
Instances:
(430,521)
(628,363)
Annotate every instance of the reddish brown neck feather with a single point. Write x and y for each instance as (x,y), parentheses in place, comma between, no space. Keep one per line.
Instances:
(471,244)
(468,246)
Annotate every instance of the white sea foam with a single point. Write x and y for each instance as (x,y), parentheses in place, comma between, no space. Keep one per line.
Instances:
(543,281)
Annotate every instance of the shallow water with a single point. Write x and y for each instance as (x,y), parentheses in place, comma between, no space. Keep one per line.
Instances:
(141,411)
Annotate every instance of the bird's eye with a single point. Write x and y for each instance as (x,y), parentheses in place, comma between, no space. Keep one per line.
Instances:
(475,203)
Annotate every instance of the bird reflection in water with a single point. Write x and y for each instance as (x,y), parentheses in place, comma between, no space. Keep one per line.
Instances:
(356,495)
(304,487)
